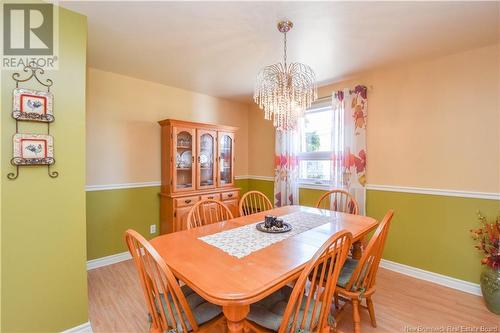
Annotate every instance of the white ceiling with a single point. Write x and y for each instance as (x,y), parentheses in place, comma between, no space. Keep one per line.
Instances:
(218,47)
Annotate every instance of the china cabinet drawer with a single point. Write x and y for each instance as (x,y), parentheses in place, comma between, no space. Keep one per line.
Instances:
(186,201)
(215,196)
(229,195)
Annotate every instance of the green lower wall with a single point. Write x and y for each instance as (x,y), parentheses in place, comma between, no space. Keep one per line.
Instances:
(264,186)
(111,212)
(432,232)
(43,255)
(428,232)
(243,184)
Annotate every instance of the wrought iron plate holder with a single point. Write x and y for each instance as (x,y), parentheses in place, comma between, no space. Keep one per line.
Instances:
(19,161)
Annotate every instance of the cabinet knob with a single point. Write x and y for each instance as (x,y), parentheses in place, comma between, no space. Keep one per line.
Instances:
(187,201)
(230,195)
(210,197)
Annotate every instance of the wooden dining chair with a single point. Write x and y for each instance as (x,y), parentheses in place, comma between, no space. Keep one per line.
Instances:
(306,306)
(254,202)
(339,201)
(357,278)
(170,306)
(207,211)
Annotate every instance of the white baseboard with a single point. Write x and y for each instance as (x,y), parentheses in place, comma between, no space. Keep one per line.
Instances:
(109,260)
(443,280)
(83,328)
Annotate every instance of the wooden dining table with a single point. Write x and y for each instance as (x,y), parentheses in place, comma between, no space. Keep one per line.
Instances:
(236,283)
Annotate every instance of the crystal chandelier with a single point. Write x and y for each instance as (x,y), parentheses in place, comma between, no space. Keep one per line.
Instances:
(284,91)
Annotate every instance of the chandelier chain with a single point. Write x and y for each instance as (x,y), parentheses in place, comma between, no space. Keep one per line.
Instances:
(284,49)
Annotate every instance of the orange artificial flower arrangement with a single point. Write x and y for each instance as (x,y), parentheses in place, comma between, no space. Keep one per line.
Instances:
(488,238)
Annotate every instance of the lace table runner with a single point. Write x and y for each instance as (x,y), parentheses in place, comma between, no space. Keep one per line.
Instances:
(242,241)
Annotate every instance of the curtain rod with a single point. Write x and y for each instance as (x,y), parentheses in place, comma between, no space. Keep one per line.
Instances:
(320,99)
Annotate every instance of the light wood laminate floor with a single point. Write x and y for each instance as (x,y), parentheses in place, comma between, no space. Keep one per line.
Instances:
(402,304)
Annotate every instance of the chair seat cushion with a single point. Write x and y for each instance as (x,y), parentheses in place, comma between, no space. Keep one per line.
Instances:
(202,310)
(269,311)
(346,272)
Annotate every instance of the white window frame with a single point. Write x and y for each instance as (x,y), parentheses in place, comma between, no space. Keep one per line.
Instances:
(318,106)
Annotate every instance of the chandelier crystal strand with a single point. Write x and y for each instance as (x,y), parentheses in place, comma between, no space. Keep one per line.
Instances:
(284,91)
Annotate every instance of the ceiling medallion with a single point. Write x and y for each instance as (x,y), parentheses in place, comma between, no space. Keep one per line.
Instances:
(284,91)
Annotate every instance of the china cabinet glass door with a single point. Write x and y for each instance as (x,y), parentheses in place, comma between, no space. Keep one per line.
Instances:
(226,158)
(206,172)
(183,171)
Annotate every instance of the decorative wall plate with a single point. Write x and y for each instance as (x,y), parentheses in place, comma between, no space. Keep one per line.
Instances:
(186,159)
(33,105)
(178,160)
(204,159)
(33,149)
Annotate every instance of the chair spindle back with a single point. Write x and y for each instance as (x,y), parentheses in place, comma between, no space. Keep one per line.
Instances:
(165,300)
(339,201)
(363,277)
(254,202)
(207,211)
(310,313)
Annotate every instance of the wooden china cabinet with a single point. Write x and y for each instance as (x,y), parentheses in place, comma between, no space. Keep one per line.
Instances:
(197,162)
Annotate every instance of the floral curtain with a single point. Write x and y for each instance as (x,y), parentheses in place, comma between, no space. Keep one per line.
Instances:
(349,142)
(286,187)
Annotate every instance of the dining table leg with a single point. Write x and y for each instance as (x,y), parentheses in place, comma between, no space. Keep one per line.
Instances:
(356,250)
(235,316)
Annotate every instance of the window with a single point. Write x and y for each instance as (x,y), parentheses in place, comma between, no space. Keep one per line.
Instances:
(315,150)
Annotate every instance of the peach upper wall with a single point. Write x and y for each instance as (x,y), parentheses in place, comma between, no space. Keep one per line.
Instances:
(123,137)
(261,143)
(432,124)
